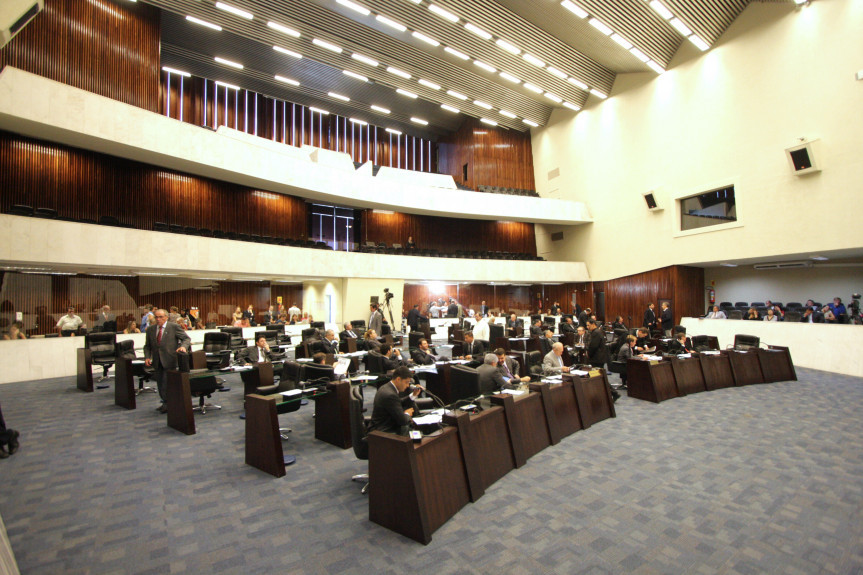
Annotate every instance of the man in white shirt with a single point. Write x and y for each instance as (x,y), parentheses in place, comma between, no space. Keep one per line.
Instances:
(69,322)
(716,313)
(293,311)
(480,330)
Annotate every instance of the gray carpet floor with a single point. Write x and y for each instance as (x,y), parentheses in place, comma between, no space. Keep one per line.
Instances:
(761,479)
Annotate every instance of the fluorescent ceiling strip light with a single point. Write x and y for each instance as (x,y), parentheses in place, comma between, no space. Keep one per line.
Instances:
(318,110)
(533,60)
(598,94)
(429,84)
(699,43)
(482,104)
(660,9)
(456,53)
(484,66)
(555,72)
(283,29)
(203,23)
(428,40)
(287,80)
(443,13)
(600,26)
(226,85)
(530,123)
(420,121)
(680,27)
(478,31)
(553,97)
(358,121)
(571,106)
(508,47)
(327,45)
(508,114)
(510,78)
(338,97)
(364,59)
(639,54)
(233,10)
(175,71)
(230,63)
(380,109)
(354,6)
(406,93)
(621,40)
(656,67)
(487,121)
(455,94)
(288,52)
(450,109)
(398,72)
(533,88)
(355,75)
(391,24)
(577,83)
(577,10)
(391,131)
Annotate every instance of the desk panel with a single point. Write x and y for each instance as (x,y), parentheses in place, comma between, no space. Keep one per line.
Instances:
(527,424)
(776,364)
(486,447)
(717,371)
(688,375)
(745,367)
(124,384)
(650,380)
(332,415)
(593,395)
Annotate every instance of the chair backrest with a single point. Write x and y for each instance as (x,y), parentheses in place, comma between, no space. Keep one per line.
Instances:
(232,330)
(317,374)
(358,425)
(744,342)
(735,314)
(292,371)
(101,344)
(311,333)
(757,304)
(275,327)
(373,362)
(793,316)
(125,349)
(271,335)
(793,305)
(464,382)
(318,325)
(741,304)
(216,341)
(678,329)
(495,331)
(700,342)
(359,325)
(414,338)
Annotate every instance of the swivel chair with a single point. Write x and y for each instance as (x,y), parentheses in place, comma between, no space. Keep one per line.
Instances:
(359,430)
(317,374)
(700,342)
(237,341)
(464,382)
(272,337)
(534,365)
(102,346)
(203,388)
(744,342)
(216,344)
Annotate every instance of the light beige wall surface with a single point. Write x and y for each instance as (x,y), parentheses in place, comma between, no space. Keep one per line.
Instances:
(821,283)
(717,118)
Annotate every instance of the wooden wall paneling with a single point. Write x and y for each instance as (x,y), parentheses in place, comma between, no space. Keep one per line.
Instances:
(688,295)
(629,296)
(108,48)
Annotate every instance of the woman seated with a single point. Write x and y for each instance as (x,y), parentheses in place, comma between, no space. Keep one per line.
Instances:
(295,319)
(14,332)
(752,314)
(371,339)
(770,316)
(237,317)
(132,327)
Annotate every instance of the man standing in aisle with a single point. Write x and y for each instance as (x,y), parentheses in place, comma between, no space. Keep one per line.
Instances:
(162,344)
(666,318)
(649,318)
(376,318)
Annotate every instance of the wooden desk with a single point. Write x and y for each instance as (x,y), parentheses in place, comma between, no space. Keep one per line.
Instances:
(593,396)
(348,345)
(263,442)
(261,375)
(180,414)
(332,415)
(438,383)
(416,488)
(716,370)
(650,380)
(746,367)
(124,384)
(776,364)
(688,375)
(561,409)
(526,423)
(485,445)
(85,369)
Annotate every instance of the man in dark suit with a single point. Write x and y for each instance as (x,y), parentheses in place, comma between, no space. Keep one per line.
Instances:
(249,314)
(258,353)
(555,308)
(584,317)
(490,378)
(105,320)
(508,368)
(546,342)
(642,341)
(392,358)
(414,317)
(678,345)
(452,310)
(483,309)
(376,318)
(271,316)
(666,318)
(423,354)
(597,352)
(472,349)
(329,343)
(567,326)
(348,332)
(162,344)
(389,414)
(514,326)
(536,328)
(649,318)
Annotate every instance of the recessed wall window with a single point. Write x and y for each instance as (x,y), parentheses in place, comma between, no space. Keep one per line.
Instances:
(708,209)
(333,225)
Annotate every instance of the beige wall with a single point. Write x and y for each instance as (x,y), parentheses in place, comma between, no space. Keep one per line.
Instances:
(716,118)
(359,292)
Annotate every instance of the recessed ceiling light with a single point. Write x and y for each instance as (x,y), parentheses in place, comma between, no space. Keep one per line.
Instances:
(420,121)
(487,121)
(598,94)
(203,23)
(380,109)
(406,93)
(699,43)
(327,45)
(358,121)
(354,6)
(478,31)
(533,88)
(455,94)
(482,104)
(508,114)
(574,9)
(398,72)
(819,258)
(621,40)
(680,26)
(555,72)
(456,53)
(533,60)
(576,82)
(426,39)
(364,59)
(728,265)
(571,106)
(639,54)
(600,26)
(392,131)
(661,9)
(530,123)
(230,63)
(656,67)
(508,47)
(391,24)
(484,66)
(450,109)
(429,84)
(287,52)
(510,78)
(338,97)
(175,71)
(318,110)
(359,77)
(226,85)
(283,29)
(553,97)
(287,80)
(233,10)
(443,13)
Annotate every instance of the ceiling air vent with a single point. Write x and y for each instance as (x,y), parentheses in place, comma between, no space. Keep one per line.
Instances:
(782,265)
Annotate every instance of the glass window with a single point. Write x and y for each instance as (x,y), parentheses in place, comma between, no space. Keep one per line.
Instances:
(333,225)
(708,209)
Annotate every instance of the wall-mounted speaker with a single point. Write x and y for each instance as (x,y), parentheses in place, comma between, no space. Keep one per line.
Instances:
(803,158)
(14,15)
(651,201)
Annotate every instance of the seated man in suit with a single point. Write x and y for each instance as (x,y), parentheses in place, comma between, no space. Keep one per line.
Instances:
(552,363)
(348,332)
(642,341)
(329,343)
(423,355)
(567,326)
(546,342)
(581,336)
(508,368)
(258,353)
(536,328)
(513,326)
(389,413)
(392,357)
(678,345)
(472,349)
(491,380)
(624,354)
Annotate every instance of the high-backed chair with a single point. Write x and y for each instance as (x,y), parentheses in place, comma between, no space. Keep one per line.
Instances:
(464,382)
(735,314)
(745,342)
(317,374)
(317,325)
(414,339)
(793,316)
(359,431)
(700,342)
(271,335)
(216,343)
(534,364)
(374,365)
(359,325)
(741,304)
(103,350)
(794,306)
(495,331)
(237,341)
(678,329)
(203,388)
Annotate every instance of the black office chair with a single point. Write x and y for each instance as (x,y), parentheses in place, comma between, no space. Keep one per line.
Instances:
(700,342)
(103,350)
(20,210)
(316,374)
(374,364)
(678,329)
(216,344)
(793,306)
(793,316)
(757,304)
(734,314)
(237,341)
(534,365)
(318,325)
(272,337)
(464,382)
(359,325)
(618,367)
(744,342)
(359,430)
(311,333)
(741,304)
(495,331)
(414,339)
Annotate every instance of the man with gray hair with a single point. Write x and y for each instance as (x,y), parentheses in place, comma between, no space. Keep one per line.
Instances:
(490,378)
(162,343)
(552,363)
(329,343)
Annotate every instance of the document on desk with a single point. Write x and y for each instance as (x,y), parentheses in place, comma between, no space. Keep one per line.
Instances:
(460,361)
(364,378)
(710,352)
(652,357)
(514,391)
(425,368)
(430,419)
(579,372)
(291,393)
(242,367)
(304,360)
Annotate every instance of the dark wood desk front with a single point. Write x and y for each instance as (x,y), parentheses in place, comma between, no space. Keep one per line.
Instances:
(332,415)
(124,384)
(688,375)
(746,367)
(486,447)
(776,364)
(84,380)
(179,396)
(716,370)
(593,396)
(650,380)
(526,423)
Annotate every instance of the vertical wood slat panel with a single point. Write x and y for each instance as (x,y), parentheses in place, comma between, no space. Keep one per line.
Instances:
(109,48)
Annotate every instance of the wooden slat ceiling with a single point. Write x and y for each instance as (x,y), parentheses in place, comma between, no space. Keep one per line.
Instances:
(543,28)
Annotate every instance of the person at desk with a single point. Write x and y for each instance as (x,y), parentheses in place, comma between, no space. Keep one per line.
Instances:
(624,354)
(70,323)
(536,328)
(481,330)
(452,309)
(812,315)
(237,317)
(258,353)
(552,363)
(249,315)
(329,343)
(772,316)
(618,324)
(414,317)
(718,313)
(423,354)
(597,351)
(472,348)
(508,368)
(410,244)
(105,320)
(568,326)
(546,341)
(319,358)
(389,414)
(642,341)
(555,308)
(752,314)
(581,336)
(271,316)
(584,316)
(491,380)
(649,318)
(371,340)
(514,325)
(348,332)
(392,358)
(836,308)
(678,345)
(483,309)
(162,344)
(14,332)
(376,318)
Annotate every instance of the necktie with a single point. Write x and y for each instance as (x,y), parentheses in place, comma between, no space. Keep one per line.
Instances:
(159,336)
(352,334)
(506,370)
(261,358)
